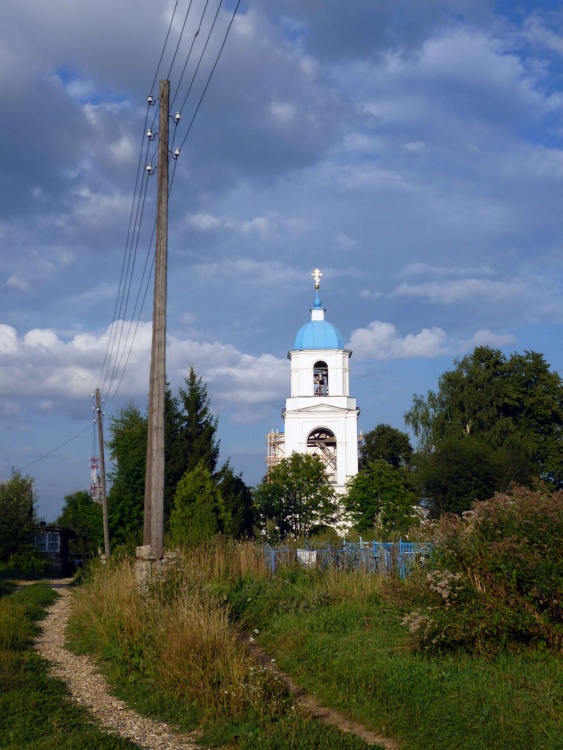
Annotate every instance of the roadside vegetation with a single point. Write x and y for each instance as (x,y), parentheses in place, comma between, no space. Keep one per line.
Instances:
(177,654)
(467,676)
(35,710)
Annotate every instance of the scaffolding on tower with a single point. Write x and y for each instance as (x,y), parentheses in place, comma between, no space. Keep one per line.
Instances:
(276,448)
(95,479)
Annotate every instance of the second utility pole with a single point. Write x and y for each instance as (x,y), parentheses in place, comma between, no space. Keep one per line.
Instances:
(102,474)
(154,479)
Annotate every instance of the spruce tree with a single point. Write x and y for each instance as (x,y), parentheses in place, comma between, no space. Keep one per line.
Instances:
(197,441)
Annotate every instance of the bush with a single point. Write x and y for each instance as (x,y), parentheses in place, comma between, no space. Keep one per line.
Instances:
(29,562)
(496,579)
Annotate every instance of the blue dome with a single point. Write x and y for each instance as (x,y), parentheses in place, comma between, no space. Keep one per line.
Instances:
(318,334)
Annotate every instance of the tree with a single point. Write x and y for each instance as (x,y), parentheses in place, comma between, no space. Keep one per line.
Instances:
(128,451)
(198,512)
(387,443)
(295,496)
(197,441)
(380,497)
(512,406)
(17,513)
(83,515)
(238,503)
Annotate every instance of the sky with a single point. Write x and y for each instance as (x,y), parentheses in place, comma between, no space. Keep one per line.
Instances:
(412,151)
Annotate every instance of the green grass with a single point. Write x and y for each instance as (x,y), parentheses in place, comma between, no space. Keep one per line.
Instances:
(36,712)
(354,656)
(174,655)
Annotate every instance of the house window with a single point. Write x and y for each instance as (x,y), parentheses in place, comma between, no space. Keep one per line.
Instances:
(320,379)
(47,542)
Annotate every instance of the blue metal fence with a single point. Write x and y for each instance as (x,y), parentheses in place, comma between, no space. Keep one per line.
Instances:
(398,558)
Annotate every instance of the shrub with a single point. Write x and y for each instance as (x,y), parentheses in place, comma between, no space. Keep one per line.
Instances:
(497,577)
(29,562)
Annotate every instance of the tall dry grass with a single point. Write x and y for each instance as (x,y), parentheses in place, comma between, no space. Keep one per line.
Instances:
(179,634)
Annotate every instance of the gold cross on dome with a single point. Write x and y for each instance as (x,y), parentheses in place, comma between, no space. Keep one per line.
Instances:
(317,276)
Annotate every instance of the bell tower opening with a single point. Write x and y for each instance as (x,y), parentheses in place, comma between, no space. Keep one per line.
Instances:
(320,378)
(322,443)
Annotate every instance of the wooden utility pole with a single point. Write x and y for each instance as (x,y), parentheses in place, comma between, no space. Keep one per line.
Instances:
(102,473)
(154,478)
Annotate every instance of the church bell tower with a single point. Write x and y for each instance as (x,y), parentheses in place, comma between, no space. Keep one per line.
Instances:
(320,416)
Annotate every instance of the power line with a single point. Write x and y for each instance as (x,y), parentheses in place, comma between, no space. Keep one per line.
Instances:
(164,47)
(202,53)
(119,358)
(189,54)
(62,445)
(179,40)
(211,74)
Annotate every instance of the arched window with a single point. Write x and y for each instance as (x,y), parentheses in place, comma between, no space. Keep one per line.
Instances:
(322,443)
(320,379)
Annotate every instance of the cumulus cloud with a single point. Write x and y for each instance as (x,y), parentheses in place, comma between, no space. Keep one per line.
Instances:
(381,341)
(42,362)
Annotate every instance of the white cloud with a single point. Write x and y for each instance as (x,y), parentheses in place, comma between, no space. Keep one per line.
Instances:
(253,271)
(8,341)
(370,294)
(539,35)
(41,362)
(262,225)
(344,242)
(204,221)
(99,209)
(284,112)
(381,341)
(488,338)
(426,269)
(16,281)
(446,292)
(415,147)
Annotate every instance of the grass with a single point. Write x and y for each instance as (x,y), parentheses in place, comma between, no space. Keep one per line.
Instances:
(36,712)
(176,654)
(179,654)
(354,655)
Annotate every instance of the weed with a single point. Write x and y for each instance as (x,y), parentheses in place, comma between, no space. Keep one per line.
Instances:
(35,710)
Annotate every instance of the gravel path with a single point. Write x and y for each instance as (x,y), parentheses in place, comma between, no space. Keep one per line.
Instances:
(90,689)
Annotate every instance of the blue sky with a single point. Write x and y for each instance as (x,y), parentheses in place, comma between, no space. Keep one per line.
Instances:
(413,151)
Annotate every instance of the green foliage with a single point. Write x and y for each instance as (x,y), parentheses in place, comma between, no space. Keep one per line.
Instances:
(176,654)
(29,562)
(237,501)
(17,513)
(128,451)
(198,513)
(83,515)
(35,709)
(513,407)
(379,497)
(497,580)
(197,426)
(295,496)
(388,444)
(465,469)
(190,438)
